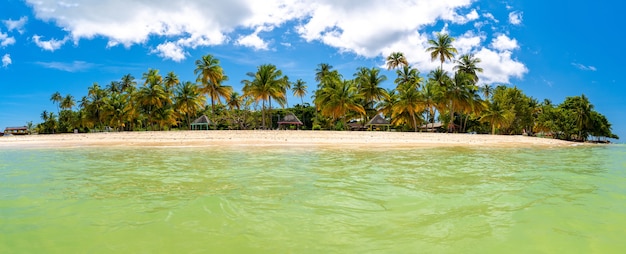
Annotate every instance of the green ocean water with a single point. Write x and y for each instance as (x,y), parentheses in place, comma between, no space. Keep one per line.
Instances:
(313,200)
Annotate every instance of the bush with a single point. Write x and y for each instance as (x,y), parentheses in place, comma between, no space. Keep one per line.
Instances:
(317,127)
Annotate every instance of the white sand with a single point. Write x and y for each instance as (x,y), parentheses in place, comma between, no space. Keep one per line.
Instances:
(359,139)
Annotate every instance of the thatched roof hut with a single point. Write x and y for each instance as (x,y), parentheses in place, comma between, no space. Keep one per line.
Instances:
(289,119)
(202,123)
(378,121)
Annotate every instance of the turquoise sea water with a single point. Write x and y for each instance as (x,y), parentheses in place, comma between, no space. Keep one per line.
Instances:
(313,200)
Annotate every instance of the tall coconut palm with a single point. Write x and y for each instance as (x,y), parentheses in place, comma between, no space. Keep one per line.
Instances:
(369,82)
(441,48)
(396,60)
(116,110)
(96,104)
(187,100)
(56,98)
(468,63)
(458,95)
(152,95)
(267,83)
(409,102)
(299,89)
(215,91)
(431,95)
(322,71)
(211,76)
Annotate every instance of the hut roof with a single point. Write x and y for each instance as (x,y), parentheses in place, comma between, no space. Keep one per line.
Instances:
(431,125)
(290,118)
(378,120)
(202,120)
(16,128)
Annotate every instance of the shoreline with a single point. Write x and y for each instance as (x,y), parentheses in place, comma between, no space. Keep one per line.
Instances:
(287,138)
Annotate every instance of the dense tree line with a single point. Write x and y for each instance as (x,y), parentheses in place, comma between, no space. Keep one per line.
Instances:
(157,102)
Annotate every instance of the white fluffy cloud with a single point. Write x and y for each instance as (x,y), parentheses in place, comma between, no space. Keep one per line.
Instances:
(6,60)
(515,18)
(170,50)
(17,25)
(6,40)
(503,42)
(368,28)
(499,67)
(49,45)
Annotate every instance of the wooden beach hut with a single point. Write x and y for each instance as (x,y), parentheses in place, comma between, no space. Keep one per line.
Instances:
(202,123)
(431,127)
(289,120)
(378,122)
(22,130)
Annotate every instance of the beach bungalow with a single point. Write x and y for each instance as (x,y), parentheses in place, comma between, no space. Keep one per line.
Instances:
(23,130)
(431,127)
(289,120)
(202,123)
(378,123)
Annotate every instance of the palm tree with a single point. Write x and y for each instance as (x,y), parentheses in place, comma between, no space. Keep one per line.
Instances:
(170,80)
(188,100)
(409,102)
(299,89)
(68,102)
(496,116)
(458,95)
(469,64)
(56,98)
(127,82)
(215,91)
(267,83)
(396,60)
(322,71)
(152,95)
(116,109)
(408,77)
(235,101)
(95,104)
(441,48)
(487,91)
(335,100)
(211,75)
(431,96)
(368,84)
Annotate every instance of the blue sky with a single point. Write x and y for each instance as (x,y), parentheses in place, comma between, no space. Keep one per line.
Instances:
(546,48)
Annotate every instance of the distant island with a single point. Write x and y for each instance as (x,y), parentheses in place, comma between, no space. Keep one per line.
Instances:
(438,102)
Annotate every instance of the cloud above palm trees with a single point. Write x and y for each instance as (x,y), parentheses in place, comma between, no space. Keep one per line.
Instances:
(367,28)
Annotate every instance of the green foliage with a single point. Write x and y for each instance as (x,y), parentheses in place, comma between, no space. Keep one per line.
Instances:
(166,103)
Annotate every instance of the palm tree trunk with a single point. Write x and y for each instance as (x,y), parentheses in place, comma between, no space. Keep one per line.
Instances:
(263,114)
(271,120)
(414,121)
(213,113)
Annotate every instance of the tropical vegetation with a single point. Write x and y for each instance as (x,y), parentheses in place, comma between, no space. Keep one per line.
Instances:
(436,101)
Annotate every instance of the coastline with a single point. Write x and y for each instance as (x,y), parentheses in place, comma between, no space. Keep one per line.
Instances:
(364,139)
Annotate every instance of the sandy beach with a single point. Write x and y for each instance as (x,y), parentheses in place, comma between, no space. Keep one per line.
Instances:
(276,138)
